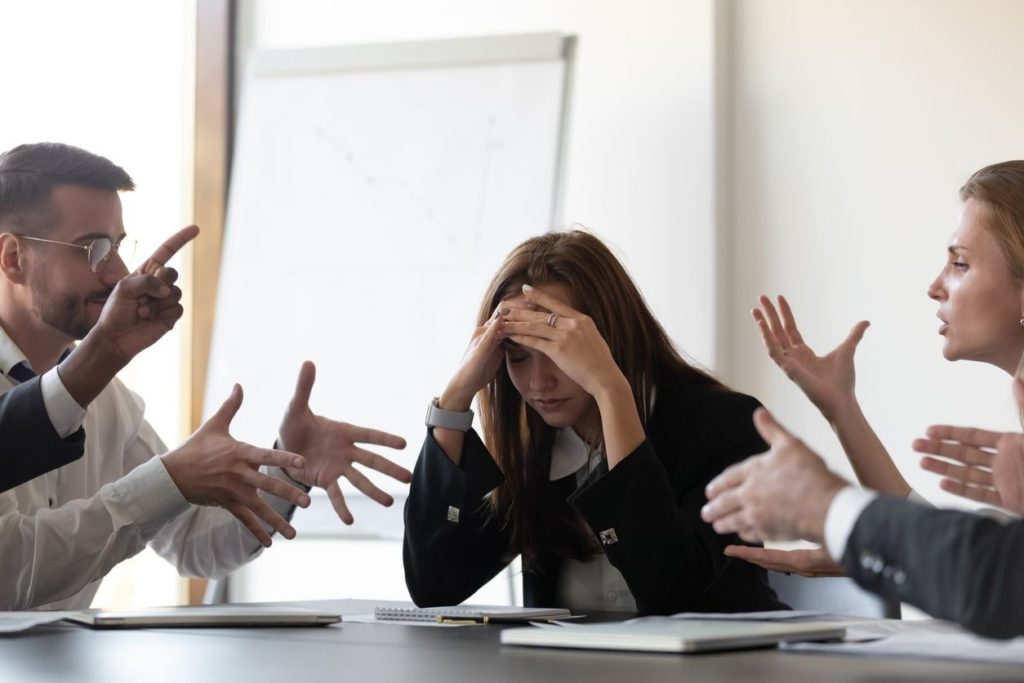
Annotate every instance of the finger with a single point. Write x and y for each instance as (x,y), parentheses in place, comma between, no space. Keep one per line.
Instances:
(383,465)
(856,334)
(970,436)
(168,249)
(789,322)
(536,343)
(278,487)
(138,286)
(724,505)
(222,418)
(527,315)
(978,493)
(763,557)
(970,475)
(773,322)
(730,524)
(338,502)
(303,387)
(729,478)
(553,304)
(771,342)
(250,521)
(770,430)
(166,275)
(271,517)
(377,437)
(169,316)
(954,451)
(538,330)
(367,487)
(270,457)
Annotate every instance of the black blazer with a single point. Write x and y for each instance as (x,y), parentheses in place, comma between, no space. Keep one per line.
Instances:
(29,445)
(954,565)
(671,560)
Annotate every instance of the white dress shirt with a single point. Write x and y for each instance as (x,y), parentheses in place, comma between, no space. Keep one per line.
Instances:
(63,531)
(595,584)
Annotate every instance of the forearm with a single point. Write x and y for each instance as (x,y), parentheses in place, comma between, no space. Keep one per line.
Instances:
(620,421)
(89,368)
(871,461)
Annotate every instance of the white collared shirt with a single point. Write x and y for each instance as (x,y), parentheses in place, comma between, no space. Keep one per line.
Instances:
(595,584)
(63,531)
(63,411)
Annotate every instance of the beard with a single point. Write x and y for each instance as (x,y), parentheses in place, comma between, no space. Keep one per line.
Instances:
(66,313)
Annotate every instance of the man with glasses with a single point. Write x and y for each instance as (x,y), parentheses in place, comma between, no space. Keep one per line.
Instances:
(199,505)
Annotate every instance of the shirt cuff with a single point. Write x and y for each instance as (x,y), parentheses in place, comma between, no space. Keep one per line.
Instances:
(842,516)
(64,411)
(150,496)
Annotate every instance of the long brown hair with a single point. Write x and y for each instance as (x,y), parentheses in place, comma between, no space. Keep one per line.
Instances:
(517,437)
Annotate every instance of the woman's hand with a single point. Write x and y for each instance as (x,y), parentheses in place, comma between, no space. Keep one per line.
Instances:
(567,337)
(811,562)
(479,365)
(991,468)
(827,380)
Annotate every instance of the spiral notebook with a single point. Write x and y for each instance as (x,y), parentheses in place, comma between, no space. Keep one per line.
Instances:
(481,615)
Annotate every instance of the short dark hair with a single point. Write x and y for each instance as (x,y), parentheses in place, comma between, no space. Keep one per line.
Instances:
(28,174)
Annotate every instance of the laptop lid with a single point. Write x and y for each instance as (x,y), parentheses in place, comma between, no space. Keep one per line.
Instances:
(671,635)
(204,615)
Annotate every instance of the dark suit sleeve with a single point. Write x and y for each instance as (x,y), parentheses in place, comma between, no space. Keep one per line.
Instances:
(648,520)
(953,565)
(29,445)
(452,544)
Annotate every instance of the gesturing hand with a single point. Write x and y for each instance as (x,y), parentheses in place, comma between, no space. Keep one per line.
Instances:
(781,495)
(827,380)
(211,468)
(330,449)
(810,562)
(566,336)
(992,463)
(144,305)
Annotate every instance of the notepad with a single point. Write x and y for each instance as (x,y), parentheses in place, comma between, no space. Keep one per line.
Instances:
(483,615)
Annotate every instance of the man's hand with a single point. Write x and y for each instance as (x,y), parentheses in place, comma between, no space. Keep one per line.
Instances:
(211,468)
(810,562)
(330,449)
(781,495)
(140,310)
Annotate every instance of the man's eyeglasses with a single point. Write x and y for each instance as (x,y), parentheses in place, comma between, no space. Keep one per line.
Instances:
(97,250)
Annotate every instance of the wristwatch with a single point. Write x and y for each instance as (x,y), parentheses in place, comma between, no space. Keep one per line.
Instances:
(448,419)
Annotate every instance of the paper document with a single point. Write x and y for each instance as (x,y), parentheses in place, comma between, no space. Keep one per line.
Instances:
(931,639)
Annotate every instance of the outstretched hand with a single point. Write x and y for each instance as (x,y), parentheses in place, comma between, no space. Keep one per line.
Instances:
(810,562)
(977,464)
(330,449)
(211,468)
(782,495)
(828,380)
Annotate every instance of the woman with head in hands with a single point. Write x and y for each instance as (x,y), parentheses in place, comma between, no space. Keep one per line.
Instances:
(598,439)
(980,292)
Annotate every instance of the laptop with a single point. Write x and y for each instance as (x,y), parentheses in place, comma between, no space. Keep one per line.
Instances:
(659,634)
(203,616)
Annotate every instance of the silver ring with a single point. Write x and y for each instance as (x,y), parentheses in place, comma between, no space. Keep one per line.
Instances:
(552,319)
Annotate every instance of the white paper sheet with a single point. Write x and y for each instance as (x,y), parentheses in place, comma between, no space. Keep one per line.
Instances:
(15,622)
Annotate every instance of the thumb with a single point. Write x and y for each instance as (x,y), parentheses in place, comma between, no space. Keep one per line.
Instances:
(134,287)
(856,334)
(1018,392)
(303,387)
(770,430)
(222,418)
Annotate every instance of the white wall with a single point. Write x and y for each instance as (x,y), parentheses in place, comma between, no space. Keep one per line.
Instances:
(854,125)
(639,155)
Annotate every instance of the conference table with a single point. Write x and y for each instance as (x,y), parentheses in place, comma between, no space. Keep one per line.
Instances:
(413,654)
